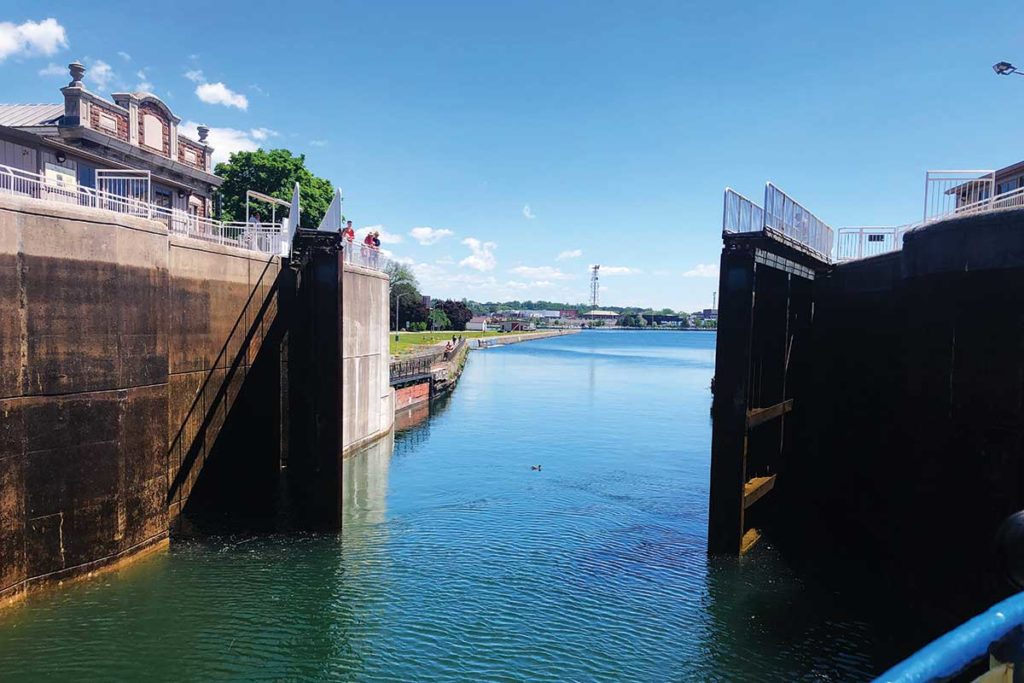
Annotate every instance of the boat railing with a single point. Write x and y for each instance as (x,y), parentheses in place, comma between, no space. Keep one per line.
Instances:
(997,630)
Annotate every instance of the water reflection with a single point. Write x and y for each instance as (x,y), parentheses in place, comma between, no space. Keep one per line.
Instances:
(364,483)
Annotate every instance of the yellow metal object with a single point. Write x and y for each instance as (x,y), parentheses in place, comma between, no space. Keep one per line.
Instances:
(749,540)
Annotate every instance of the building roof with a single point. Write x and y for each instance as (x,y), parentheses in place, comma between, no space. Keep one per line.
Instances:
(17,115)
(603,314)
(478,319)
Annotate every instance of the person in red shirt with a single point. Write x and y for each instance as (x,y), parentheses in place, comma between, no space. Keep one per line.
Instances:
(347,236)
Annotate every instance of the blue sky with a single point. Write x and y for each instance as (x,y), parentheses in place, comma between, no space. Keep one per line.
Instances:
(536,138)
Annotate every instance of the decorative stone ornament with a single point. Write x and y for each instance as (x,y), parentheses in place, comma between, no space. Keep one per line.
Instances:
(77,73)
(203,132)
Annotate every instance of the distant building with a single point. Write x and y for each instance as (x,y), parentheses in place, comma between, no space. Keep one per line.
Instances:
(477,323)
(597,314)
(85,141)
(568,313)
(516,326)
(1010,178)
(709,314)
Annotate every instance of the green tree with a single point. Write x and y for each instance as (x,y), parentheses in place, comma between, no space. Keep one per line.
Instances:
(275,173)
(405,295)
(439,320)
(458,313)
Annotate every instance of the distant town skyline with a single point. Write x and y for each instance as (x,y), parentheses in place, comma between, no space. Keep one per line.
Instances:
(503,148)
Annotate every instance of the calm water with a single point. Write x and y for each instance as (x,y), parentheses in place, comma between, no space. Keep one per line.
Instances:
(457,562)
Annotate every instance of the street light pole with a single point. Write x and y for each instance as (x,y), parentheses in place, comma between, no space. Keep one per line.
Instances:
(398,297)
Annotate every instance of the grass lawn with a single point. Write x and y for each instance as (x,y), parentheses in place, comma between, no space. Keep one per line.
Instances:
(409,342)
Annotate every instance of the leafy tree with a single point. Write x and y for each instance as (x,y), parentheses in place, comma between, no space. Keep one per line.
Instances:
(458,313)
(275,173)
(631,320)
(439,320)
(405,295)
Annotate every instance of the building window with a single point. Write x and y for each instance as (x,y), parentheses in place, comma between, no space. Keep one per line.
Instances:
(152,132)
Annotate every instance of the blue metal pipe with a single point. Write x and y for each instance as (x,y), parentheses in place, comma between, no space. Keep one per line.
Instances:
(955,651)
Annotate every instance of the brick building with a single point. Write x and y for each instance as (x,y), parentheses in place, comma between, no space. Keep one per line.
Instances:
(70,142)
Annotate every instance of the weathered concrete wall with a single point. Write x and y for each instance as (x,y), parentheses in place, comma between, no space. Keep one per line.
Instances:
(121,352)
(222,306)
(368,401)
(83,404)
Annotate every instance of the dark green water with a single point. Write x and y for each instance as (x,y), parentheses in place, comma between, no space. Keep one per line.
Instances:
(457,562)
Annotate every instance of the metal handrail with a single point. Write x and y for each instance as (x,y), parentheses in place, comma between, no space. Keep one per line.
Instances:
(791,218)
(955,651)
(266,238)
(782,214)
(867,241)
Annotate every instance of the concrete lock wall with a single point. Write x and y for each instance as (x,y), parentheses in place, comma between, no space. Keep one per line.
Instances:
(122,351)
(83,367)
(368,400)
(222,310)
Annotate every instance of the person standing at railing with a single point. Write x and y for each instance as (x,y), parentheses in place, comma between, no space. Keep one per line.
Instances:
(348,235)
(252,229)
(376,248)
(368,247)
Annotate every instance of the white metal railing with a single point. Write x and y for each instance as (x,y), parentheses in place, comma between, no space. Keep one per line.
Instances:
(263,237)
(948,193)
(781,213)
(740,214)
(864,242)
(359,253)
(784,214)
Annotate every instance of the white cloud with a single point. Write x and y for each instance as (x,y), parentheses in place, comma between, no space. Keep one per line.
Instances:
(522,286)
(385,236)
(568,254)
(262,133)
(428,273)
(619,270)
(195,75)
(226,141)
(542,272)
(428,236)
(703,270)
(442,284)
(124,55)
(318,143)
(32,38)
(218,93)
(527,213)
(144,85)
(392,256)
(53,69)
(482,256)
(100,73)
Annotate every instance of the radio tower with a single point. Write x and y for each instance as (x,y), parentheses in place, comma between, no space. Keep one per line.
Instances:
(593,286)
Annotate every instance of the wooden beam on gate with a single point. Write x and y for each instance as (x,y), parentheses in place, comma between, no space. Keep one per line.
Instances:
(756,416)
(756,489)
